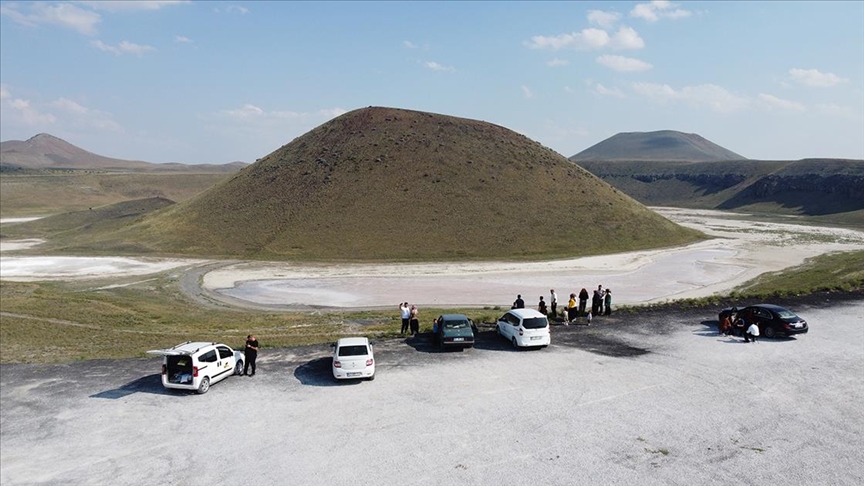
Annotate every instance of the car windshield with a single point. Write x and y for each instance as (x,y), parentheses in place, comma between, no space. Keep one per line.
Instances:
(455,324)
(535,323)
(357,350)
(787,314)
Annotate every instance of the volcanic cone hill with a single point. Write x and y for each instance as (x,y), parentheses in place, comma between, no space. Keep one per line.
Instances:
(663,145)
(391,184)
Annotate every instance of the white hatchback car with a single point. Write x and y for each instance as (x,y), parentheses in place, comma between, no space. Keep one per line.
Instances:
(197,365)
(524,328)
(353,358)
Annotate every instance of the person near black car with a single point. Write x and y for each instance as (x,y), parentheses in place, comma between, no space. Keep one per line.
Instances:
(752,333)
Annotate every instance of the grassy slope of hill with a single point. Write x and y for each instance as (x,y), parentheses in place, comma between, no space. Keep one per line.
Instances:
(37,193)
(389,184)
(75,225)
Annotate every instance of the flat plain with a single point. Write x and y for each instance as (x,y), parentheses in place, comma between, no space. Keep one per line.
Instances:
(653,398)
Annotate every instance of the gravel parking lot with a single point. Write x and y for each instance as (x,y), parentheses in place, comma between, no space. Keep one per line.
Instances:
(632,399)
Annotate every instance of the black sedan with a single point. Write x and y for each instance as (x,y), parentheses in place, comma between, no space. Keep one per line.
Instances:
(772,320)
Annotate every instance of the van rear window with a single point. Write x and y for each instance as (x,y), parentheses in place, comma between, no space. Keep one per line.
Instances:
(535,323)
(358,350)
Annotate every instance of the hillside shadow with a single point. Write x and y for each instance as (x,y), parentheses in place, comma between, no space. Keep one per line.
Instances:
(146,384)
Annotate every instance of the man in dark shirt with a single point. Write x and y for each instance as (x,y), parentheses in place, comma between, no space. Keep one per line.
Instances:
(251,354)
(519,303)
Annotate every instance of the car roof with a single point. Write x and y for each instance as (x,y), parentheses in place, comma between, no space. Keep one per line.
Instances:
(454,317)
(770,307)
(353,341)
(194,346)
(523,313)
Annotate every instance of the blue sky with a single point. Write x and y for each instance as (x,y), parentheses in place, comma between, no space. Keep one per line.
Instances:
(213,82)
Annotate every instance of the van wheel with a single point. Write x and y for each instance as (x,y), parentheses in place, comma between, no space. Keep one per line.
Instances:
(238,370)
(371,378)
(515,344)
(204,386)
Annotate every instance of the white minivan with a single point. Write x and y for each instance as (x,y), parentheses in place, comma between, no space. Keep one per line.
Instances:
(197,365)
(524,328)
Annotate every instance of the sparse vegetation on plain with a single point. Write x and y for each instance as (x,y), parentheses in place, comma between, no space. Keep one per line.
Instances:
(39,193)
(123,322)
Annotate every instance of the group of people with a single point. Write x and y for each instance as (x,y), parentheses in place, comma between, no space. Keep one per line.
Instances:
(727,328)
(410,321)
(601,304)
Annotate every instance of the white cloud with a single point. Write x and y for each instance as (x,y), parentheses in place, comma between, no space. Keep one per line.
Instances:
(63,14)
(246,111)
(70,106)
(604,91)
(26,114)
(586,39)
(232,9)
(527,93)
(603,19)
(815,78)
(654,11)
(4,93)
(124,47)
(251,113)
(409,45)
(627,38)
(131,6)
(623,64)
(771,101)
(332,112)
(81,116)
(438,67)
(183,40)
(557,62)
(711,96)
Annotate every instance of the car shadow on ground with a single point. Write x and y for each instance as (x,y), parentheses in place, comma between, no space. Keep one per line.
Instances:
(426,343)
(489,340)
(146,384)
(319,372)
(710,330)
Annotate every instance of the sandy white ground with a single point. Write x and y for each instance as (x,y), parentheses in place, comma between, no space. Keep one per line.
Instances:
(741,250)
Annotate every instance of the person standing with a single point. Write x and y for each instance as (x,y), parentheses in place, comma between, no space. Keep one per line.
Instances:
(571,308)
(583,301)
(752,333)
(414,321)
(541,307)
(406,317)
(595,302)
(251,354)
(607,304)
(601,294)
(554,303)
(518,303)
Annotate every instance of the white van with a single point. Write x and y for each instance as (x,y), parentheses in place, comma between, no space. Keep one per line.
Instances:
(197,365)
(524,328)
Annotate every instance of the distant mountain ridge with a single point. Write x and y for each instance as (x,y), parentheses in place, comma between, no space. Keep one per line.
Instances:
(44,151)
(660,146)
